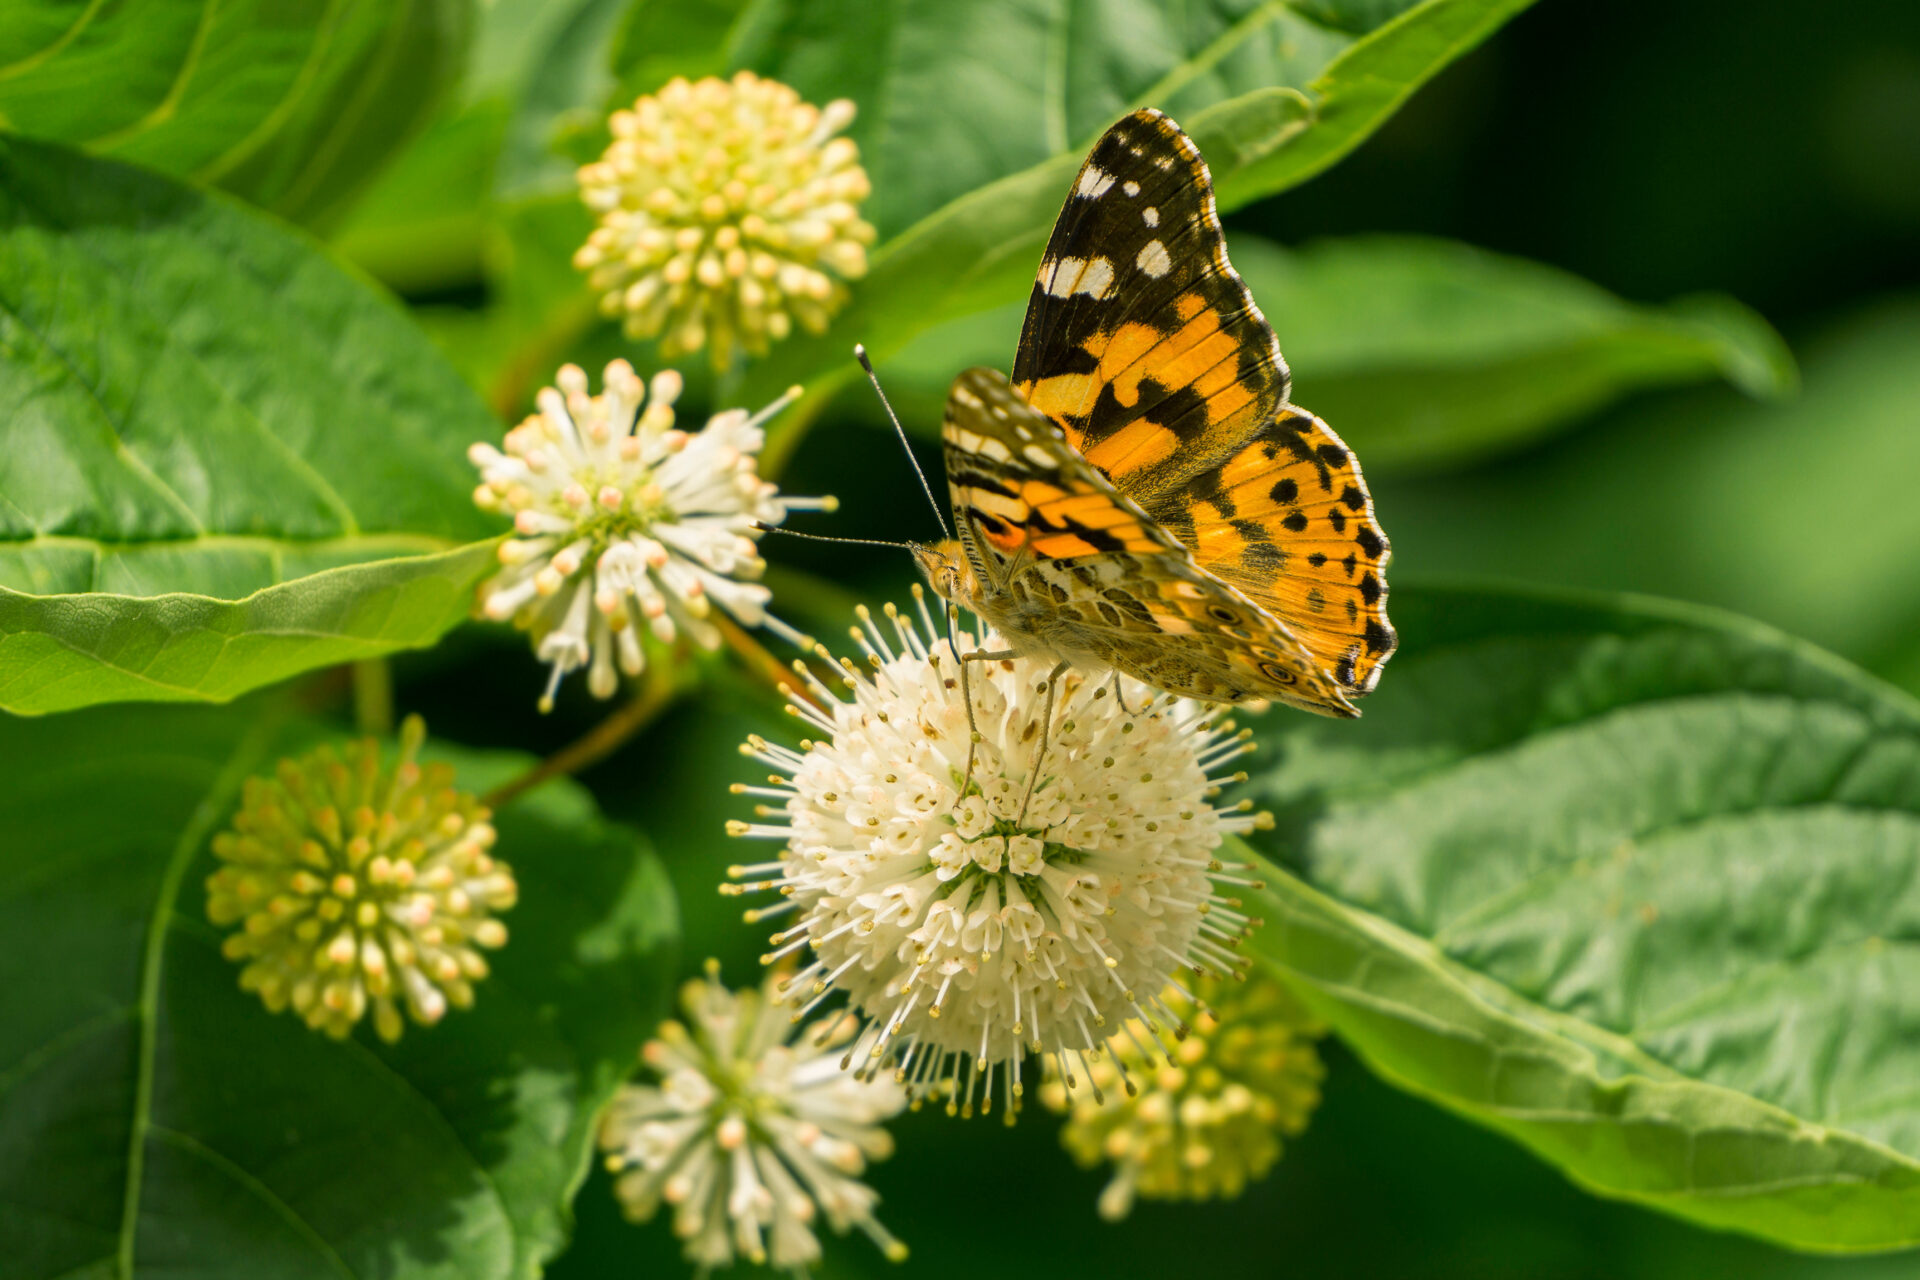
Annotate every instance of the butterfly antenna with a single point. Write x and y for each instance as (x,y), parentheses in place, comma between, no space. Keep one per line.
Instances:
(821,537)
(860,354)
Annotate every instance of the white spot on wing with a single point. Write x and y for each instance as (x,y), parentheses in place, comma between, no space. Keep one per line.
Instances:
(1151,216)
(1038,455)
(1153,259)
(1094,181)
(1065,277)
(1131,188)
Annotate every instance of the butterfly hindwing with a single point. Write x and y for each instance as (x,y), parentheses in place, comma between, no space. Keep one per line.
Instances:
(1288,521)
(1067,560)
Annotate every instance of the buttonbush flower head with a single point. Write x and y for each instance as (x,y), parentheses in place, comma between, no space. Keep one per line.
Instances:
(728,212)
(964,919)
(1209,1119)
(360,888)
(624,523)
(747,1136)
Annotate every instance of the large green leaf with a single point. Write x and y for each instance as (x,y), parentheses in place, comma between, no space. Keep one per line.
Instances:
(1036,80)
(1799,512)
(196,401)
(156,1119)
(62,651)
(290,104)
(1636,884)
(1422,351)
(1271,98)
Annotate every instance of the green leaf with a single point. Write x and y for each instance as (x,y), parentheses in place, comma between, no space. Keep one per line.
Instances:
(661,39)
(154,1118)
(1635,884)
(426,222)
(1713,498)
(1422,351)
(1037,81)
(293,105)
(198,402)
(63,651)
(1270,97)
(1425,351)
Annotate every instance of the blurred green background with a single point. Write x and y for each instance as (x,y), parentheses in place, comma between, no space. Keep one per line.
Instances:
(1768,150)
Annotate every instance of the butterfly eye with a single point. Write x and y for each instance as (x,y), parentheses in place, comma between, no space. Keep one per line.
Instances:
(1223,615)
(1277,673)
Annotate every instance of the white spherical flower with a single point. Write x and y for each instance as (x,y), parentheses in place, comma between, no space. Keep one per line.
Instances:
(728,211)
(625,523)
(967,920)
(748,1136)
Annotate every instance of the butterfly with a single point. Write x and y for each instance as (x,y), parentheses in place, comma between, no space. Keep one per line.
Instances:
(1140,496)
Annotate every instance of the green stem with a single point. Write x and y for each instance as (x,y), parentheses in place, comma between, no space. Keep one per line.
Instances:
(373,697)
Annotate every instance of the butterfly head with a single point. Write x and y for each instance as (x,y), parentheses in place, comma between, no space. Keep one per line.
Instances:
(947,569)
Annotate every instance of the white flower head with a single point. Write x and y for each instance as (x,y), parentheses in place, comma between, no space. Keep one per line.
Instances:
(965,920)
(750,1132)
(728,211)
(623,523)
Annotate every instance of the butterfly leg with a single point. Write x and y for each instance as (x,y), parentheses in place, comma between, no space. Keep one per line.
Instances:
(1051,683)
(1119,701)
(966,696)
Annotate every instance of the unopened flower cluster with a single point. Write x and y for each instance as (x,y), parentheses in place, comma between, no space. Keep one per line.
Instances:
(1204,1122)
(627,525)
(728,212)
(747,1137)
(360,888)
(967,918)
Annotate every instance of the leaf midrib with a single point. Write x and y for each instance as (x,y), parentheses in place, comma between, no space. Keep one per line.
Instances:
(207,814)
(261,1192)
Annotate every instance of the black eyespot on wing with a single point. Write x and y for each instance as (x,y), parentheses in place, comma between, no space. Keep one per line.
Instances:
(1224,616)
(1369,542)
(1277,673)
(1284,492)
(1296,521)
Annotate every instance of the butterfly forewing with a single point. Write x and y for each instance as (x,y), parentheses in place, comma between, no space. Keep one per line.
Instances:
(1140,339)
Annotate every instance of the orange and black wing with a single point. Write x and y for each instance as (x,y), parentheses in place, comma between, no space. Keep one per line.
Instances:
(1147,350)
(1140,340)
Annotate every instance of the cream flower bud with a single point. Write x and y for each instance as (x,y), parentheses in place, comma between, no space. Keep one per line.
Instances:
(626,524)
(749,1131)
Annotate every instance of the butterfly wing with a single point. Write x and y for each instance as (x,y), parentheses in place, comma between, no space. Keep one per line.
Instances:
(1140,340)
(1065,561)
(1147,350)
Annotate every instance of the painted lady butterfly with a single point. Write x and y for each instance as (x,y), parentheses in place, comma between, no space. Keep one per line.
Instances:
(1141,496)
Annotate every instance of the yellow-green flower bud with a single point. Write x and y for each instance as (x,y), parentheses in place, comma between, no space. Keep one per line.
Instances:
(360,888)
(1203,1116)
(728,212)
